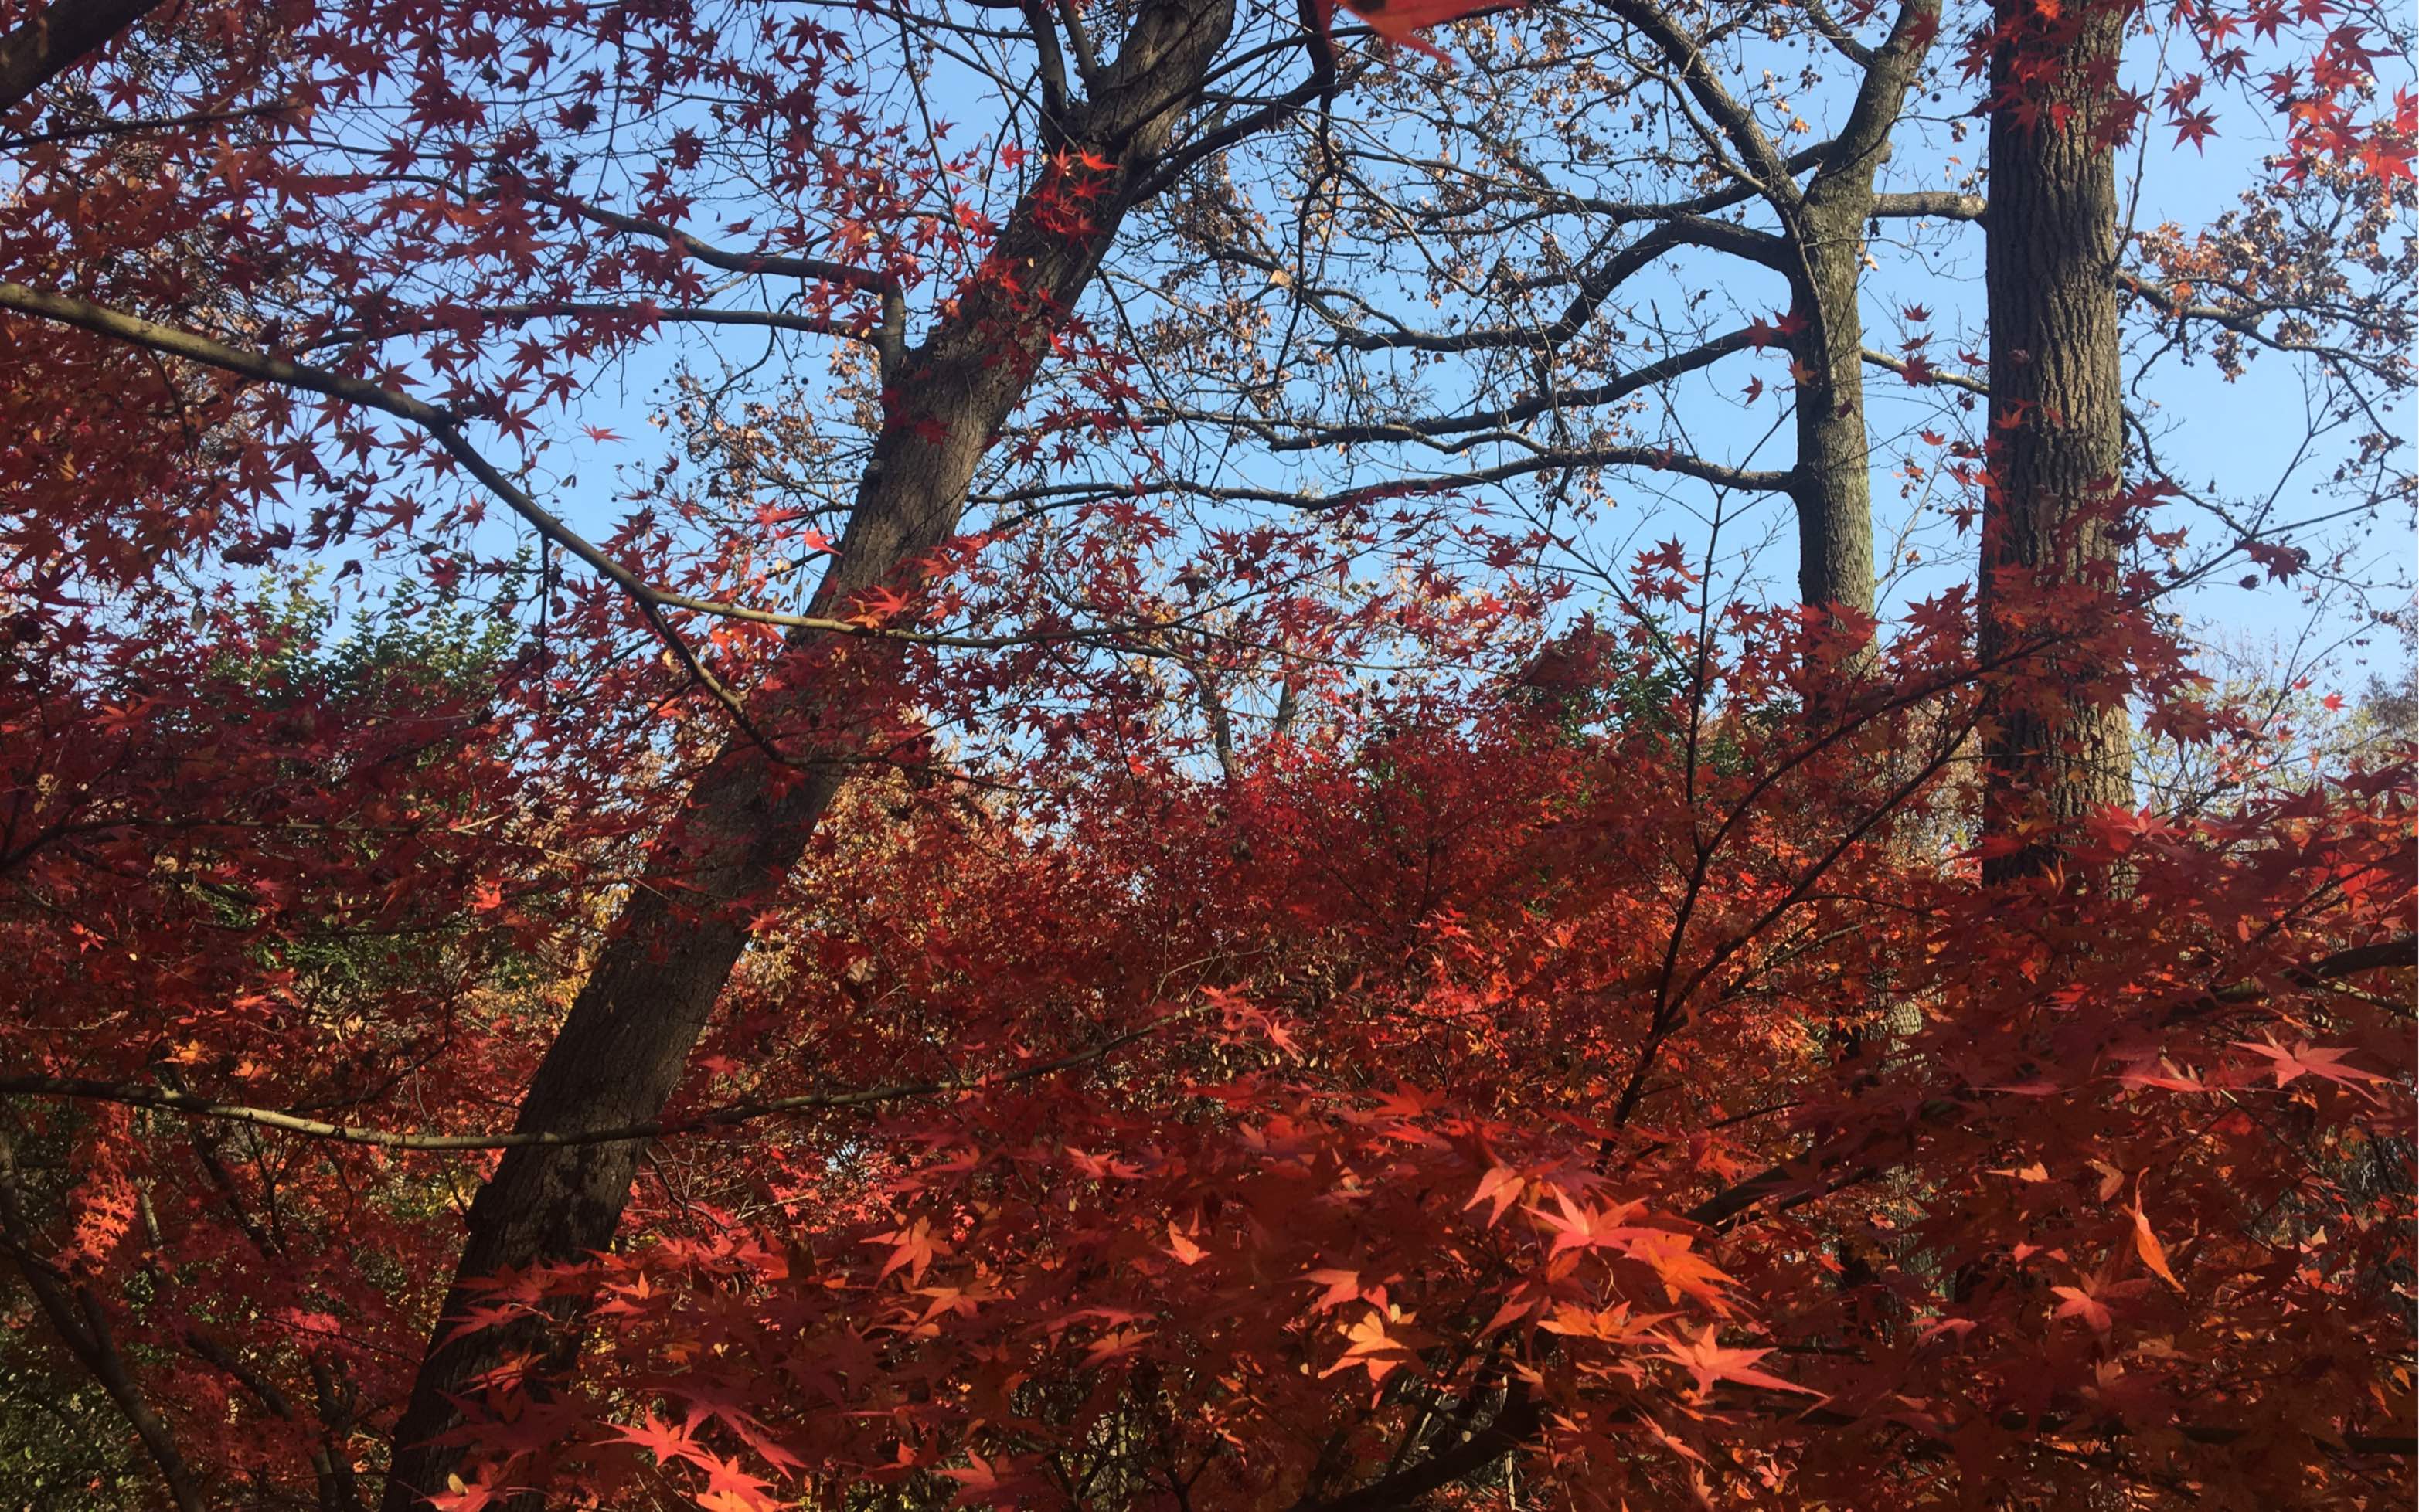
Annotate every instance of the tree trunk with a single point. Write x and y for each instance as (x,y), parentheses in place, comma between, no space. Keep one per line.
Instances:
(623,1049)
(65,34)
(1833,488)
(2057,423)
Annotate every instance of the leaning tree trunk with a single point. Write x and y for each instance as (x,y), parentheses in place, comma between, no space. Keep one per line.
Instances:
(2054,750)
(622,1049)
(61,35)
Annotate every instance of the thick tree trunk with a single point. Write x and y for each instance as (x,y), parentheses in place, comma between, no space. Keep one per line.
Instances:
(2057,422)
(62,35)
(623,1049)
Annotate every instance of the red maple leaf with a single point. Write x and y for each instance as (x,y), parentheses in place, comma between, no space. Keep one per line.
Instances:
(1500,1186)
(1400,21)
(912,1246)
(1710,1363)
(2308,1060)
(659,1436)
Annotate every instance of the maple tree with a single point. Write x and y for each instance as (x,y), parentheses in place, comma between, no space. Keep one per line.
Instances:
(1105,885)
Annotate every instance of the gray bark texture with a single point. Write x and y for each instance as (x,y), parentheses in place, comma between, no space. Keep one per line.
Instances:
(2056,420)
(1832,486)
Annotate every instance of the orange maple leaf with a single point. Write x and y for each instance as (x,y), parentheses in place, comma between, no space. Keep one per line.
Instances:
(1501,1186)
(1709,1362)
(659,1436)
(1380,1345)
(1182,1247)
(2154,1254)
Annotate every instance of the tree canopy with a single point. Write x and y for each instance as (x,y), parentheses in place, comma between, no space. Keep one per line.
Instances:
(1171,754)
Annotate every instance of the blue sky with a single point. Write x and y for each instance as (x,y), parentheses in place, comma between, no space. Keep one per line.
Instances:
(2238,436)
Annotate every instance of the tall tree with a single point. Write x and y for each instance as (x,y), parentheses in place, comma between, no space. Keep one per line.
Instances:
(1116,885)
(1548,305)
(2057,455)
(622,1052)
(1821,249)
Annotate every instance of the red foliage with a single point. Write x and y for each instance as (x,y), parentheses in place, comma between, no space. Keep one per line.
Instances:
(1437,1063)
(1596,1056)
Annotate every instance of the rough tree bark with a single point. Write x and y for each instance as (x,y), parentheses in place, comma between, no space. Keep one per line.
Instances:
(2057,409)
(62,35)
(1832,483)
(622,1050)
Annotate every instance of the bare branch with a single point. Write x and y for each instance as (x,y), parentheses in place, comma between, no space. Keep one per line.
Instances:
(846,275)
(1516,1422)
(1933,204)
(1659,371)
(1595,287)
(135,1095)
(2245,320)
(1686,54)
